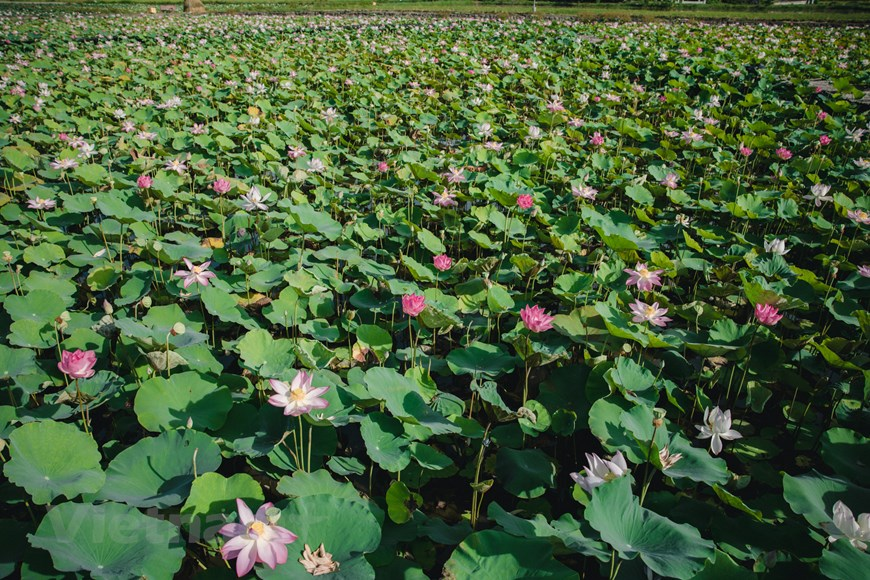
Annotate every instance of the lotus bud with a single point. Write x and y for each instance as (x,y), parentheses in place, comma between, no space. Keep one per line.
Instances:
(177,329)
(108,308)
(94,199)
(190,422)
(7,257)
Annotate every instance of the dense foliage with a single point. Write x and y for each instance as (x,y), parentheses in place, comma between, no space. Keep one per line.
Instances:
(481,298)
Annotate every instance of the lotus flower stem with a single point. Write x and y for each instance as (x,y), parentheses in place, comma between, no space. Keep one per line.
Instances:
(746,368)
(475,507)
(82,407)
(646,478)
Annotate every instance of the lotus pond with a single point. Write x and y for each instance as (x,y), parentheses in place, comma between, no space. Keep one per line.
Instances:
(433,298)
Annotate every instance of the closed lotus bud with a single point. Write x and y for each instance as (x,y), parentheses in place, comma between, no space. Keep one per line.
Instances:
(177,329)
(108,308)
(7,257)
(190,422)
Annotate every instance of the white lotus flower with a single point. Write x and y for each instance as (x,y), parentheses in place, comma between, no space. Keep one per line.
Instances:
(776,246)
(717,426)
(846,526)
(253,200)
(599,471)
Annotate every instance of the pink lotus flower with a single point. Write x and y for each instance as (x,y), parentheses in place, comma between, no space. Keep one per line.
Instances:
(78,364)
(445,199)
(783,153)
(745,151)
(525,201)
(298,397)
(864,270)
(859,216)
(255,539)
(144,182)
(597,139)
(198,274)
(536,319)
(442,262)
(645,278)
(767,314)
(821,116)
(649,313)
(39,203)
(455,175)
(296,152)
(824,140)
(670,180)
(383,166)
(221,186)
(413,304)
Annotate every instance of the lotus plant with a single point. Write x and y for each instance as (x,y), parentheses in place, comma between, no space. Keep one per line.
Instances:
(257,538)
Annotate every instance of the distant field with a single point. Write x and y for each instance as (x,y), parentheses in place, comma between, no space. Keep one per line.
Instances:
(825,11)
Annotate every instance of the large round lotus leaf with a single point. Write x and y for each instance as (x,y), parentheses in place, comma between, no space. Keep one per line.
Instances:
(348,529)
(163,404)
(496,555)
(669,549)
(212,496)
(480,359)
(158,471)
(846,452)
(109,541)
(41,306)
(269,357)
(16,361)
(51,459)
(385,441)
(813,496)
(843,561)
(524,473)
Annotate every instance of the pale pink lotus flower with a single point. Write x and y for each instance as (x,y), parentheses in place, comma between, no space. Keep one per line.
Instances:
(744,150)
(824,140)
(256,539)
(596,139)
(819,194)
(442,262)
(555,105)
(716,427)
(198,274)
(493,146)
(254,200)
(846,526)
(445,199)
(783,153)
(128,126)
(525,201)
(198,129)
(643,277)
(176,165)
(859,216)
(670,180)
(600,471)
(296,152)
(64,164)
(455,175)
(221,186)
(536,319)
(644,312)
(864,270)
(299,397)
(383,166)
(316,165)
(584,192)
(767,314)
(39,203)
(78,364)
(413,304)
(144,181)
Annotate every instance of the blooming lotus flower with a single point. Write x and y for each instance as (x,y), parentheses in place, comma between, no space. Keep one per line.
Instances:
(144,181)
(668,459)
(536,319)
(78,364)
(600,471)
(864,270)
(717,426)
(767,314)
(445,199)
(745,151)
(255,539)
(298,397)
(670,180)
(176,165)
(819,194)
(39,203)
(644,312)
(253,200)
(221,186)
(846,526)
(316,165)
(776,246)
(296,152)
(64,164)
(783,153)
(596,139)
(824,140)
(525,201)
(455,175)
(584,191)
(413,304)
(198,274)
(442,262)
(859,216)
(645,278)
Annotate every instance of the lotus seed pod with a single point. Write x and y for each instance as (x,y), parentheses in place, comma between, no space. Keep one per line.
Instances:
(177,329)
(146,302)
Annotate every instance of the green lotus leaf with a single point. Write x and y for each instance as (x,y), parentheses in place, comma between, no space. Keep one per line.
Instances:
(213,497)
(162,404)
(494,554)
(526,473)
